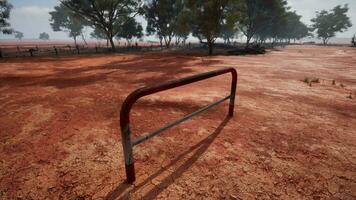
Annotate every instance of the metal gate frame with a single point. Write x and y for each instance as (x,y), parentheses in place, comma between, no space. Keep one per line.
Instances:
(128,144)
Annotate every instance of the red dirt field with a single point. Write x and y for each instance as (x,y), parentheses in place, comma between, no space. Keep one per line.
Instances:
(60,138)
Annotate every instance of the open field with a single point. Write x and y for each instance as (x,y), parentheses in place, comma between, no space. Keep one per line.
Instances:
(60,138)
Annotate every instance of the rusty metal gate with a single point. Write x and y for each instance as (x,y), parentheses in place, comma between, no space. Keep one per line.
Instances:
(128,144)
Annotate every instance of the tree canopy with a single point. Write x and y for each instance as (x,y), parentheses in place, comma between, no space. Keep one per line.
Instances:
(163,18)
(328,23)
(208,17)
(106,15)
(260,21)
(64,19)
(44,36)
(130,29)
(18,35)
(5,8)
(257,15)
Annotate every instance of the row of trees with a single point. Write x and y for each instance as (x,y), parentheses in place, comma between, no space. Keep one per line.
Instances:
(258,20)
(207,20)
(19,35)
(168,19)
(5,28)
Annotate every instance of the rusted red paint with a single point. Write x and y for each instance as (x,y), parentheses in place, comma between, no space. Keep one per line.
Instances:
(134,96)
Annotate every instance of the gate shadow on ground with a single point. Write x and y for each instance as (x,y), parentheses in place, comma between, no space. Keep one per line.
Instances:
(122,192)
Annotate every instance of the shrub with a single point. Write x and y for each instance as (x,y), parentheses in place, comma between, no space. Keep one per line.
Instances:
(309,80)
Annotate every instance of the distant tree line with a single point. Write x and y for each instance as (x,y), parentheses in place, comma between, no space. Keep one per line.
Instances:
(173,21)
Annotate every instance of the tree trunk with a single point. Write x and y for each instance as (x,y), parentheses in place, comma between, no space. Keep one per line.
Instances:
(178,40)
(167,41)
(248,41)
(160,41)
(211,46)
(112,43)
(83,38)
(325,41)
(75,40)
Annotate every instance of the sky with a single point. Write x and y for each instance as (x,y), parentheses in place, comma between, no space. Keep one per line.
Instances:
(31,16)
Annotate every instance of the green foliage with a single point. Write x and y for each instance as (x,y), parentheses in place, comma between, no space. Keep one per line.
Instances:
(44,36)
(183,25)
(328,23)
(208,17)
(294,28)
(104,15)
(266,19)
(64,19)
(5,8)
(130,29)
(18,35)
(228,32)
(165,18)
(260,15)
(98,34)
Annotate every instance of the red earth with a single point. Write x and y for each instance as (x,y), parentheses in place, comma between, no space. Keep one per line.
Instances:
(60,138)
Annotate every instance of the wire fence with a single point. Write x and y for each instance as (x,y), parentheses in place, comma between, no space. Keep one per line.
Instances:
(12,51)
(57,50)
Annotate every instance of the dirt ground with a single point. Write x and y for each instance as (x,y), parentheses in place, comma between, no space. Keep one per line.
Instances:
(60,138)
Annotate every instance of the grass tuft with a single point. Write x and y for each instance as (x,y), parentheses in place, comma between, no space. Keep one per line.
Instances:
(350,96)
(310,81)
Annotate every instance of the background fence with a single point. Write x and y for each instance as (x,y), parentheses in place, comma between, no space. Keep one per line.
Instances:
(56,50)
(12,51)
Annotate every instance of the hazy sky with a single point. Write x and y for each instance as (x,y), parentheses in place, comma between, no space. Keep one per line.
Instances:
(31,16)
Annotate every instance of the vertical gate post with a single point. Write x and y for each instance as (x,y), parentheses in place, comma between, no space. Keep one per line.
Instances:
(232,93)
(127,148)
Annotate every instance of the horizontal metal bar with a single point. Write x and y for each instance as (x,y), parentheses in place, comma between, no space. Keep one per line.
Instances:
(170,125)
(137,94)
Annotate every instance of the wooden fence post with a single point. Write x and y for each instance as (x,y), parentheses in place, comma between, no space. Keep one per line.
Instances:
(55,50)
(18,51)
(31,52)
(77,47)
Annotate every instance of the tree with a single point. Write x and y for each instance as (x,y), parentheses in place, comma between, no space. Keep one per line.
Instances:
(328,23)
(5,8)
(64,19)
(183,27)
(208,16)
(99,35)
(258,16)
(290,27)
(162,18)
(228,32)
(106,15)
(130,29)
(302,31)
(19,35)
(44,36)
